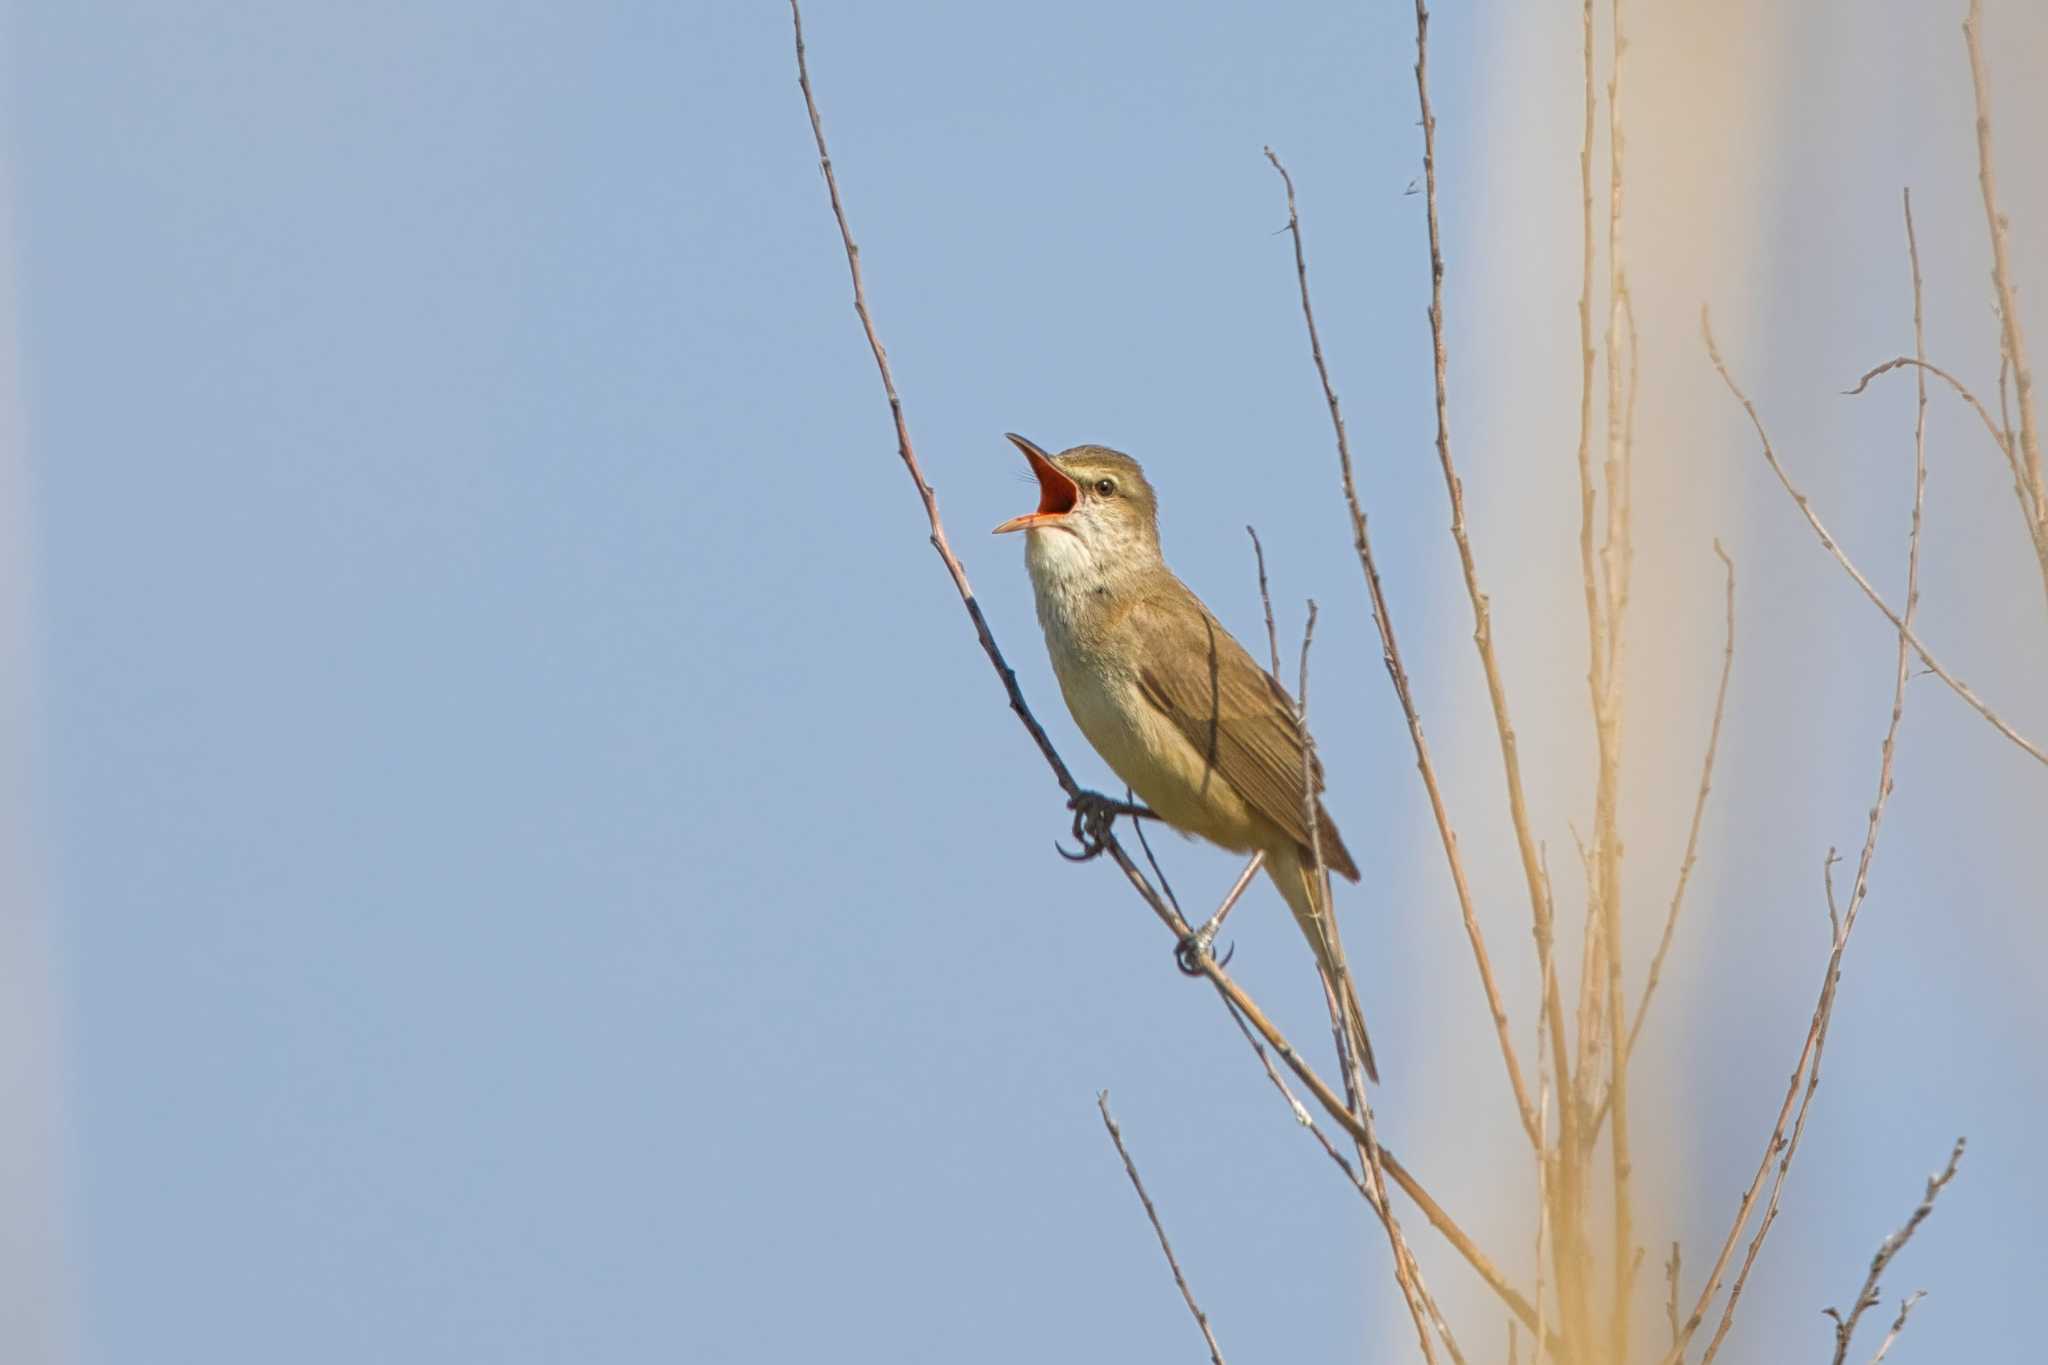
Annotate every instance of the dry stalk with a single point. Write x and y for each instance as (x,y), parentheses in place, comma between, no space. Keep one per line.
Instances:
(1807,1068)
(1867,1296)
(1167,915)
(1833,547)
(1482,610)
(1172,1262)
(1692,834)
(1390,652)
(2013,336)
(1343,1006)
(1607,713)
(2001,437)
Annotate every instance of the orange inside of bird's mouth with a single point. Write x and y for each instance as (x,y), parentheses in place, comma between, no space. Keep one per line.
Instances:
(1057,493)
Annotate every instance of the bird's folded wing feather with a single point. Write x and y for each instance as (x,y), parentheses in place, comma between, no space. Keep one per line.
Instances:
(1232,711)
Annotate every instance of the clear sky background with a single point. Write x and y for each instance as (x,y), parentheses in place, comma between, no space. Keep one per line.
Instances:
(511,851)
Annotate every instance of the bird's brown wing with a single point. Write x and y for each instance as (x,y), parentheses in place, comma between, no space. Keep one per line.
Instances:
(1232,710)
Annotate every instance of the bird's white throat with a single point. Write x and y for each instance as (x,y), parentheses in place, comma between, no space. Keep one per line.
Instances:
(1074,573)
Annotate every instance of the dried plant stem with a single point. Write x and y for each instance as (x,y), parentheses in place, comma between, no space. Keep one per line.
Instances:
(2001,435)
(1834,548)
(2013,336)
(1343,1017)
(1568,1233)
(1482,610)
(903,446)
(1692,834)
(1172,1262)
(1390,651)
(1808,1067)
(1608,713)
(1867,1296)
(1166,913)
(1906,1306)
(1266,601)
(1358,1182)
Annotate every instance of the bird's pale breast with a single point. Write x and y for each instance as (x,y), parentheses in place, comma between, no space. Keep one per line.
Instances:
(1141,745)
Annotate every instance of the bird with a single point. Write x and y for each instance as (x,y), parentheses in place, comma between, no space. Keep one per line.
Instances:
(1202,734)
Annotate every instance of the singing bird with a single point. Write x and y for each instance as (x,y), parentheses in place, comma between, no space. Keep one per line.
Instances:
(1173,703)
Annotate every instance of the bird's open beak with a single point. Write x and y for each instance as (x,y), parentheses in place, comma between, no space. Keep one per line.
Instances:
(1057,493)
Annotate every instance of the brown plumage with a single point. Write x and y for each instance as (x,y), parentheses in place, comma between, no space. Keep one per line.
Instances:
(1173,703)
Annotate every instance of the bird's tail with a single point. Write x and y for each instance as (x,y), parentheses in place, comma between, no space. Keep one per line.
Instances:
(1308,896)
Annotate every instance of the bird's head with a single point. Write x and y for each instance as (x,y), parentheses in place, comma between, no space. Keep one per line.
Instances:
(1096,496)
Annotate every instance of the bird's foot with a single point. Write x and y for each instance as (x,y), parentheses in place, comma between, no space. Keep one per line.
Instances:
(1193,953)
(1190,953)
(1093,815)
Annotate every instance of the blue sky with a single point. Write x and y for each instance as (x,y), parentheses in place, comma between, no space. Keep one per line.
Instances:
(515,854)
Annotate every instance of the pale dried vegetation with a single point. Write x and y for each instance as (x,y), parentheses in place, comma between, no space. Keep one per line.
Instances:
(1590,1301)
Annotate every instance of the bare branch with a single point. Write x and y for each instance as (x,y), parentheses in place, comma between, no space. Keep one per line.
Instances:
(1671,1268)
(1172,1263)
(1699,807)
(1898,1324)
(909,455)
(1344,1018)
(1390,651)
(1829,543)
(1808,1066)
(1867,1296)
(2013,338)
(1607,711)
(1166,913)
(1138,827)
(2000,437)
(1482,611)
(1266,601)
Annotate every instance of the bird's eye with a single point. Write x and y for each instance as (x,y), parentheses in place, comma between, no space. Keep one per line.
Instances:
(1105,487)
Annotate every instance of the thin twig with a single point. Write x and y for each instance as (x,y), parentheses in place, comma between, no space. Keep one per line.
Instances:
(1607,714)
(1482,611)
(1390,653)
(1167,915)
(1266,601)
(1671,1293)
(1138,827)
(903,444)
(1172,1263)
(1358,1182)
(1898,1324)
(1829,543)
(1867,1296)
(1699,807)
(1455,488)
(1344,1018)
(1334,1106)
(1808,1066)
(2013,337)
(2000,437)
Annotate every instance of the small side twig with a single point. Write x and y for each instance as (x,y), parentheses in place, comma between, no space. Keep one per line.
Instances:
(1844,923)
(1266,601)
(1172,1262)
(1692,834)
(1867,1296)
(1829,543)
(1165,912)
(1671,1268)
(1343,1016)
(1397,672)
(2013,336)
(1906,1306)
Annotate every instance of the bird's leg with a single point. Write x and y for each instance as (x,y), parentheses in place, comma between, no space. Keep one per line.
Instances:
(1192,949)
(1093,815)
